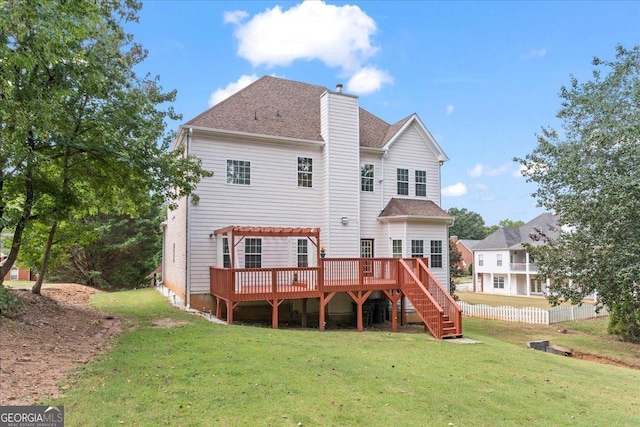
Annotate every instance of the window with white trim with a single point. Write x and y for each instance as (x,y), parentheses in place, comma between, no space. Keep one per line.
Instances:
(498,282)
(436,254)
(499,260)
(238,172)
(403,182)
(480,260)
(396,248)
(305,172)
(417,249)
(303,253)
(366,177)
(421,183)
(252,253)
(226,256)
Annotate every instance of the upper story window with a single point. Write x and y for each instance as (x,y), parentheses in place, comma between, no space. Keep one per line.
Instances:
(238,172)
(366,177)
(305,172)
(499,260)
(417,249)
(252,253)
(421,183)
(397,248)
(436,254)
(403,182)
(480,260)
(303,253)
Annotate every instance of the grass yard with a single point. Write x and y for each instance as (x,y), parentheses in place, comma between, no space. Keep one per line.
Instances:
(189,372)
(506,300)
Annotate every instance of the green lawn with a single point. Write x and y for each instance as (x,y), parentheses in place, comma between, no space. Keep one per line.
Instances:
(506,300)
(203,374)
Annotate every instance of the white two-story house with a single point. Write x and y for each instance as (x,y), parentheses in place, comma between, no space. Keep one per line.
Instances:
(503,266)
(287,154)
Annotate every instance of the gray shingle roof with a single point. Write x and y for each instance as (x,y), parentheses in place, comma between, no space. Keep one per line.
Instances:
(468,243)
(413,207)
(285,108)
(512,238)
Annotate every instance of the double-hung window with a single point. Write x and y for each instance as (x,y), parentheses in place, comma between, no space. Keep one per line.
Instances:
(303,253)
(238,172)
(480,260)
(366,177)
(498,282)
(252,253)
(305,172)
(436,254)
(499,260)
(403,182)
(397,248)
(417,249)
(421,183)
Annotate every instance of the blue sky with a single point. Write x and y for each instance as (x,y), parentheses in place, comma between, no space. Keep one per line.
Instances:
(484,77)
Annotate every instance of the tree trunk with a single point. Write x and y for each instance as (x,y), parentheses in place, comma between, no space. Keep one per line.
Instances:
(45,260)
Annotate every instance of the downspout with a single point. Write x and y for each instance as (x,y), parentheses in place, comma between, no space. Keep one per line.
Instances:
(188,235)
(384,155)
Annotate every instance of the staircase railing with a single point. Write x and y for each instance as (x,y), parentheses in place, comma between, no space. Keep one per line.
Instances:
(425,305)
(439,293)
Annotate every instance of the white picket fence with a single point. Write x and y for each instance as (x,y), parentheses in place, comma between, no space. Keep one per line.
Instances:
(532,315)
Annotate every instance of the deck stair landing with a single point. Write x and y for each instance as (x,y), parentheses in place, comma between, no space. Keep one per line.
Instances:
(435,306)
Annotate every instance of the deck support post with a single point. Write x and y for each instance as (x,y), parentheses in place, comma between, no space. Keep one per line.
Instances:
(218,307)
(394,295)
(403,311)
(304,313)
(359,299)
(275,304)
(229,312)
(324,300)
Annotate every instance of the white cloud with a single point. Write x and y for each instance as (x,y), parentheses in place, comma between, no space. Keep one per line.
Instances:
(480,170)
(223,93)
(534,53)
(476,171)
(367,80)
(455,190)
(335,35)
(338,36)
(449,109)
(480,187)
(234,17)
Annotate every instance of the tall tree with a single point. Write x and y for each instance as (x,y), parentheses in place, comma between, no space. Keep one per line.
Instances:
(80,132)
(590,176)
(467,224)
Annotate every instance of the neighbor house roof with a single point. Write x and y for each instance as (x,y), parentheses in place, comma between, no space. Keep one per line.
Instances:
(413,208)
(513,237)
(469,244)
(284,108)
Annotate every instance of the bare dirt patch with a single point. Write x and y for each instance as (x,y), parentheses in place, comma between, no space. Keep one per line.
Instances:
(168,323)
(51,336)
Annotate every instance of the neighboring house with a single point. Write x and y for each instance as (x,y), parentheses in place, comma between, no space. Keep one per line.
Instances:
(288,159)
(503,266)
(17,272)
(465,247)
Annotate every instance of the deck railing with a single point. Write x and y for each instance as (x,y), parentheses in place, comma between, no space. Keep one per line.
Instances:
(228,282)
(421,299)
(444,298)
(358,273)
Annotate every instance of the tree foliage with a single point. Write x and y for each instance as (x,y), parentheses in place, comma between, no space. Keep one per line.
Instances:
(116,251)
(467,225)
(455,269)
(80,132)
(590,175)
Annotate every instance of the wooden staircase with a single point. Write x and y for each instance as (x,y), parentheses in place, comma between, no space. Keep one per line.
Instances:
(435,306)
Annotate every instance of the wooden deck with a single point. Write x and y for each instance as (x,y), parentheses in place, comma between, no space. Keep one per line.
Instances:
(357,277)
